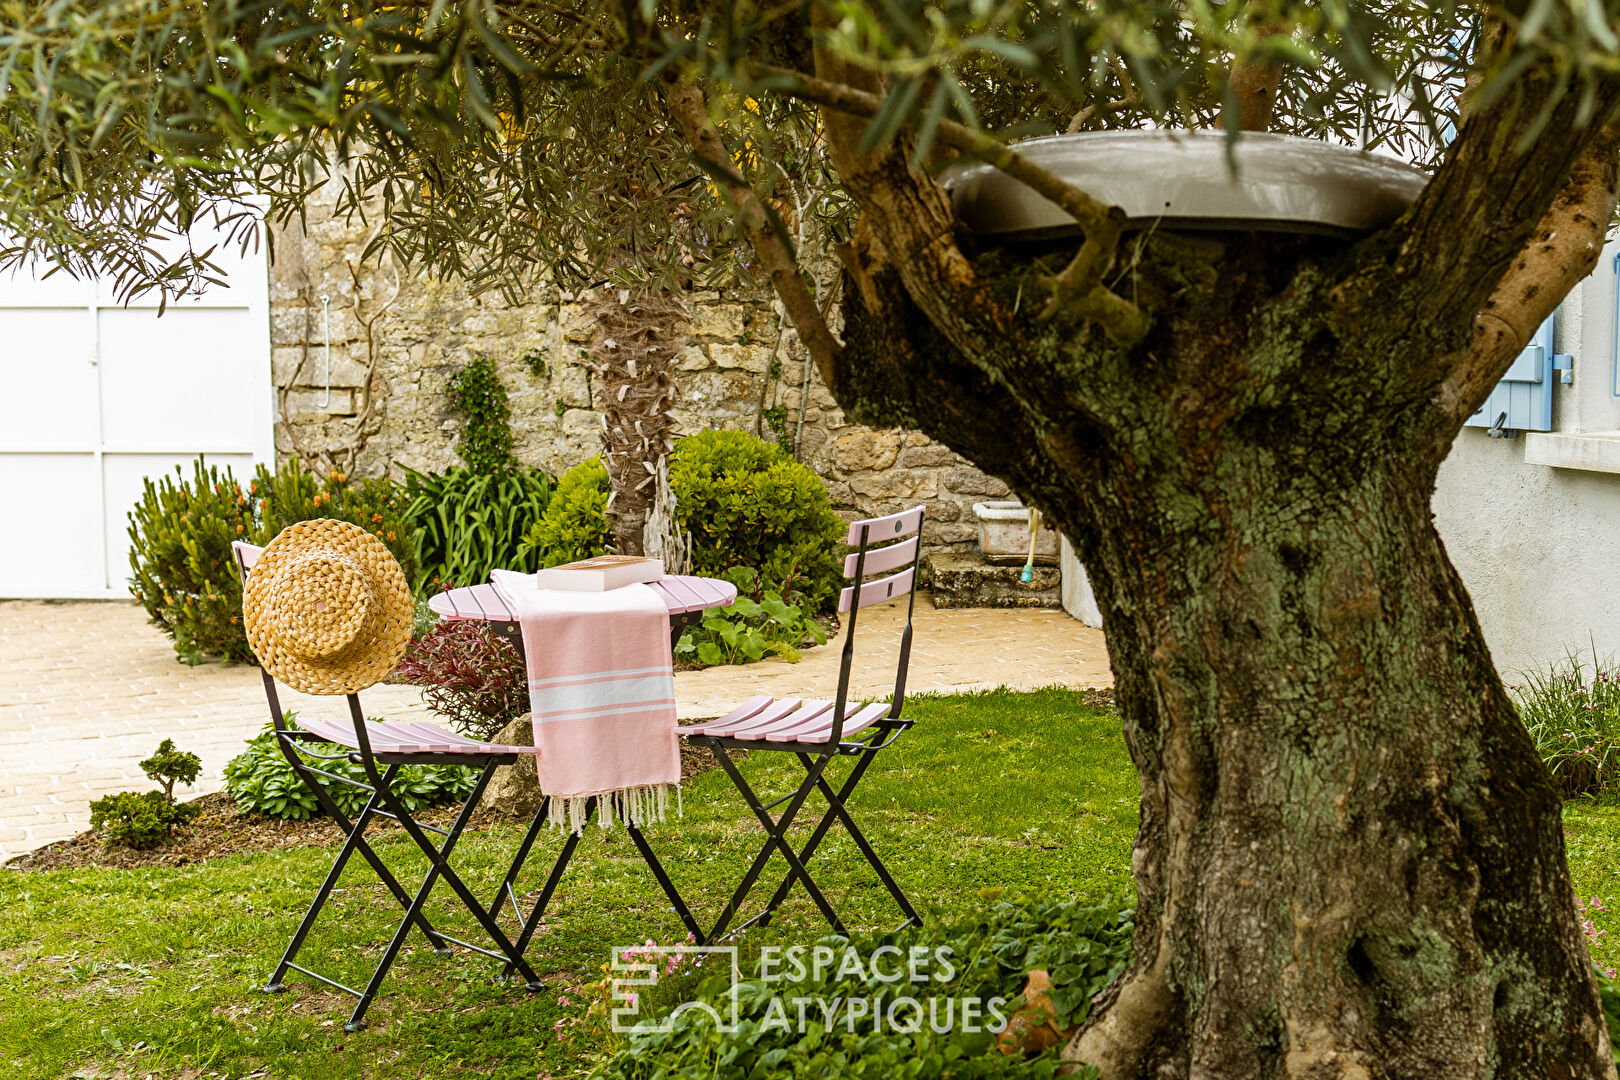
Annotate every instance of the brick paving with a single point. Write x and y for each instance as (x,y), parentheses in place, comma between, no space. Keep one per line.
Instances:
(88,689)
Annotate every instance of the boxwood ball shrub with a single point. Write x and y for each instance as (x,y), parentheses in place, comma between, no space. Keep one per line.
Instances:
(574,525)
(181,569)
(261,780)
(747,503)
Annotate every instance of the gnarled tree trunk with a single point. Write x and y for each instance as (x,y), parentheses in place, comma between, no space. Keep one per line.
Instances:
(1351,860)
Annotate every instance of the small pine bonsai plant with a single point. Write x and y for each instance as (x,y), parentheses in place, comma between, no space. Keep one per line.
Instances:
(169,766)
(146,819)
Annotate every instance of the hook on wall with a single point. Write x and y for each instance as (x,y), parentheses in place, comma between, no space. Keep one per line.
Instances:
(326,347)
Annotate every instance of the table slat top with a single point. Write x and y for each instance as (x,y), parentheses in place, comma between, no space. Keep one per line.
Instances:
(682,593)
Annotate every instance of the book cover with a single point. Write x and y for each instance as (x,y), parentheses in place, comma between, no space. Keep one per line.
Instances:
(601,573)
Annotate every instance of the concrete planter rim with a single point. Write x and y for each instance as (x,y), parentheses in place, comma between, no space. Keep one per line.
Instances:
(1185,180)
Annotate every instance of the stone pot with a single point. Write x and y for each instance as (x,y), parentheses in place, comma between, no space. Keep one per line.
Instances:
(1004,534)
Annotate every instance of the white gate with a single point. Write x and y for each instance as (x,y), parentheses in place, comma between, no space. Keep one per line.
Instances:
(95,396)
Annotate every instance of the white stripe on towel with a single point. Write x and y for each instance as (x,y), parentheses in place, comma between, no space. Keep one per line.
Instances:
(550,700)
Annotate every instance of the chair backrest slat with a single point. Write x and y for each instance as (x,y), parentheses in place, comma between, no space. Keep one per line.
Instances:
(881,545)
(882,530)
(247,553)
(876,592)
(882,560)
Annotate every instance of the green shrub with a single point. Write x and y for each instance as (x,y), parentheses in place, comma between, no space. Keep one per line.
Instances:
(181,531)
(1574,718)
(748,629)
(469,523)
(747,503)
(486,440)
(1082,947)
(169,766)
(261,780)
(574,525)
(138,819)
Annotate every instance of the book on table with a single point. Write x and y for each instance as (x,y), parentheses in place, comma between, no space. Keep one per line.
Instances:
(601,573)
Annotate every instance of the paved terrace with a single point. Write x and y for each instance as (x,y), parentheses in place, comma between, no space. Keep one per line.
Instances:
(87,690)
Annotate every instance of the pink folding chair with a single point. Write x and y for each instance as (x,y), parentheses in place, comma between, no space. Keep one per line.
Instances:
(817,732)
(382,749)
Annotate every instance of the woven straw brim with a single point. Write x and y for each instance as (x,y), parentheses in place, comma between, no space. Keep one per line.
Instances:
(326,608)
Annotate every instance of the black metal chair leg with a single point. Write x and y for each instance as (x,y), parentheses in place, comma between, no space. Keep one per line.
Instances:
(438,865)
(518,861)
(820,830)
(664,883)
(776,832)
(356,832)
(836,807)
(532,923)
(341,820)
(440,858)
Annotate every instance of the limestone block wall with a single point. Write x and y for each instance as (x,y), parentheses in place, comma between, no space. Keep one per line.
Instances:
(394,340)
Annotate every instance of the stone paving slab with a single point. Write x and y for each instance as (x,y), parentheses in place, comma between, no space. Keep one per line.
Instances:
(88,689)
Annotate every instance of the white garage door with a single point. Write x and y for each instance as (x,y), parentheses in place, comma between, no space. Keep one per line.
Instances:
(95,396)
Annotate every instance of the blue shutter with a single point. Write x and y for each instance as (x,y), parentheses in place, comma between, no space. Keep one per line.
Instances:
(1522,401)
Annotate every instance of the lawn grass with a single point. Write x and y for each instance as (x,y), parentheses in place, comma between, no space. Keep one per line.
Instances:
(156,972)
(122,973)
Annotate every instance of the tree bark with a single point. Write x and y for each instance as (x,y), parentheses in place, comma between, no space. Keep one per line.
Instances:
(1351,860)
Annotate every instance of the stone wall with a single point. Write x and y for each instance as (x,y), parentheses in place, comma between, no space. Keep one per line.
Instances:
(395,340)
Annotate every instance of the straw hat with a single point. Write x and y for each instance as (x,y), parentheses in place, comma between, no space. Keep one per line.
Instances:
(326,608)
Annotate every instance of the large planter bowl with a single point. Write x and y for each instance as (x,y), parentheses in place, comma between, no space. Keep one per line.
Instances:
(1186,180)
(1004,534)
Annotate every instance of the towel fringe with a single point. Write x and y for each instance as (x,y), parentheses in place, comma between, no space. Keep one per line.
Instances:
(646,804)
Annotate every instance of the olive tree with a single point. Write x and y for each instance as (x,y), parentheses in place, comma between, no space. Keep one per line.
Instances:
(1350,862)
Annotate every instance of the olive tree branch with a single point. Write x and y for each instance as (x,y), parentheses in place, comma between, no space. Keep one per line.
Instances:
(1078,289)
(689,108)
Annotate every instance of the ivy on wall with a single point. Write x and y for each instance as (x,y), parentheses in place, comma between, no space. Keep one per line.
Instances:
(477,394)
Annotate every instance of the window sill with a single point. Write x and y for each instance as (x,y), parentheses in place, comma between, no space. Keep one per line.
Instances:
(1593,452)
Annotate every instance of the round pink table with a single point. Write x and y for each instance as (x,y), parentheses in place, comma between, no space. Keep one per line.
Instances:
(687,597)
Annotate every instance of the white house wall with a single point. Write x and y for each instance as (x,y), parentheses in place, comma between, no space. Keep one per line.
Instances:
(1536,540)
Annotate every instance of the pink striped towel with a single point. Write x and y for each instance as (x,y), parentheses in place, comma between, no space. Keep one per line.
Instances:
(602,696)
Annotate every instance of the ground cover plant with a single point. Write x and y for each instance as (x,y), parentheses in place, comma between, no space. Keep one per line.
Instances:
(980,966)
(262,781)
(748,630)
